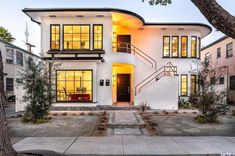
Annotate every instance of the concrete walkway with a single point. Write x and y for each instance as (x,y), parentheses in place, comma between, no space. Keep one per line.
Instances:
(130,145)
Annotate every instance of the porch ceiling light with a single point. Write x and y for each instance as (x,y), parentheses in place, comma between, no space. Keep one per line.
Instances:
(52,15)
(99,15)
(80,16)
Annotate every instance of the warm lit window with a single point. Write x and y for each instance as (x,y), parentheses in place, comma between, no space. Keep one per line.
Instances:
(199,46)
(97,37)
(175,46)
(184,46)
(193,84)
(74,85)
(55,37)
(184,85)
(76,37)
(193,46)
(166,46)
(229,50)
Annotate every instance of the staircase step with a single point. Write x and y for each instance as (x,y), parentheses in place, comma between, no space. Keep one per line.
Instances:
(128,131)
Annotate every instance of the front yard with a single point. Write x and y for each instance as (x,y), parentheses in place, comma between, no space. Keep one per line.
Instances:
(58,126)
(184,125)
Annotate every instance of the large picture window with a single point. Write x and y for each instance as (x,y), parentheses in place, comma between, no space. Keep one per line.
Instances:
(55,37)
(19,58)
(193,84)
(166,46)
(193,46)
(184,46)
(175,46)
(9,84)
(74,85)
(76,37)
(184,85)
(97,36)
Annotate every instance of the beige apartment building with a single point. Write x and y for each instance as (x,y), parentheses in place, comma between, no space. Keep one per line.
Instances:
(221,55)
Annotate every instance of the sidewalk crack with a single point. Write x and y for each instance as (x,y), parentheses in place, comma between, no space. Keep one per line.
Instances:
(70,145)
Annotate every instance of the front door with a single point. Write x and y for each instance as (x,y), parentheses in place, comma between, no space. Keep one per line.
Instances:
(123,43)
(123,87)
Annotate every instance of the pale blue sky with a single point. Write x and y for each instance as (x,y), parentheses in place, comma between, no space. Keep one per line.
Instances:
(12,18)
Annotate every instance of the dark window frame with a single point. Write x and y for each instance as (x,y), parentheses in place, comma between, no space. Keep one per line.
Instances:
(92,89)
(193,92)
(232,82)
(21,58)
(182,46)
(10,87)
(169,44)
(177,37)
(227,50)
(218,51)
(186,84)
(89,48)
(221,80)
(51,25)
(195,37)
(102,41)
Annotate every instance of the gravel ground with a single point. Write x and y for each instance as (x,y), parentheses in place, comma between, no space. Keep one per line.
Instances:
(184,125)
(58,126)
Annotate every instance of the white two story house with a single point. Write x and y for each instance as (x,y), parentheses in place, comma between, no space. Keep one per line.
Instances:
(113,57)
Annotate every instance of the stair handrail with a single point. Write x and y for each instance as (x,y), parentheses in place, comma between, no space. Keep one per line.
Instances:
(136,50)
(168,65)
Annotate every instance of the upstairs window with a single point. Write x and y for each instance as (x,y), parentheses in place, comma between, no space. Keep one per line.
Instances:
(193,47)
(207,59)
(184,85)
(218,52)
(184,46)
(221,80)
(55,37)
(19,58)
(76,37)
(97,36)
(175,46)
(9,84)
(10,56)
(229,50)
(166,46)
(212,80)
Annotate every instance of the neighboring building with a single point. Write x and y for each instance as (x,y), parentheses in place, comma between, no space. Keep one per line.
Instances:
(221,55)
(113,57)
(13,62)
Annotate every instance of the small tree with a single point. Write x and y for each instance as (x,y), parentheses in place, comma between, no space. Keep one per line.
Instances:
(210,102)
(35,79)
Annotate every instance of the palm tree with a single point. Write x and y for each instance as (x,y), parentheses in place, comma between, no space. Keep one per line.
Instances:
(5,35)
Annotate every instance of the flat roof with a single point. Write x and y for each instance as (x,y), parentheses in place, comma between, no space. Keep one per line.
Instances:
(28,11)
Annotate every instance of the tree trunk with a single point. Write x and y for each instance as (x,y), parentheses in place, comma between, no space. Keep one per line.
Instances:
(6,148)
(221,19)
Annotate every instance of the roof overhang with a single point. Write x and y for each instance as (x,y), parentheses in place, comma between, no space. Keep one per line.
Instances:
(120,16)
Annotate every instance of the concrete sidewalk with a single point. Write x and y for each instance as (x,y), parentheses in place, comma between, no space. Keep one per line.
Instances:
(130,145)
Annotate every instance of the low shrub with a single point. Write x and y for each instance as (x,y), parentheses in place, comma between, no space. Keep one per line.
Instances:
(40,121)
(82,113)
(206,119)
(233,112)
(25,119)
(64,113)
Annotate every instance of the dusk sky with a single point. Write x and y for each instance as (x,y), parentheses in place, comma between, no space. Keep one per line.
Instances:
(13,19)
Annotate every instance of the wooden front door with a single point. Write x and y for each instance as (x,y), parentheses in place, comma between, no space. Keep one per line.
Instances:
(123,43)
(123,88)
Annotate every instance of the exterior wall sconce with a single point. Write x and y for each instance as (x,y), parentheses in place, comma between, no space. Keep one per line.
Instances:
(114,35)
(107,82)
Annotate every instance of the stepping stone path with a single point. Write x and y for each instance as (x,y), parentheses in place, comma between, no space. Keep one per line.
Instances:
(126,123)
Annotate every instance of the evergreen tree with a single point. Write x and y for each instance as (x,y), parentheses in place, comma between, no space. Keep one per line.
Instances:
(35,79)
